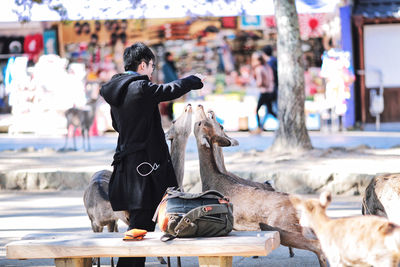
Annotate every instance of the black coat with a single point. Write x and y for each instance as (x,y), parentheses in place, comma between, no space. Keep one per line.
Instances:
(141,147)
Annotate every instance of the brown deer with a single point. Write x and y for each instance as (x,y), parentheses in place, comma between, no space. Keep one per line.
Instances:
(382,197)
(178,135)
(219,159)
(219,156)
(95,197)
(252,206)
(352,241)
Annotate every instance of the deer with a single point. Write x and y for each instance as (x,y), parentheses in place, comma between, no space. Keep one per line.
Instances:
(80,118)
(352,241)
(254,208)
(219,159)
(382,197)
(96,200)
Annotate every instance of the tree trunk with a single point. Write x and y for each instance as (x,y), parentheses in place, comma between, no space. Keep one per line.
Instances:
(292,133)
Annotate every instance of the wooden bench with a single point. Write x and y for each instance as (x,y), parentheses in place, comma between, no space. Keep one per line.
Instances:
(77,250)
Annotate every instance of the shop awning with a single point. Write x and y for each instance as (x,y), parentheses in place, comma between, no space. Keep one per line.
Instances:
(123,9)
(377,9)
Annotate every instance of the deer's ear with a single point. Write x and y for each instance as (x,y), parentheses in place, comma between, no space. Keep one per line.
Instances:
(204,142)
(325,199)
(222,141)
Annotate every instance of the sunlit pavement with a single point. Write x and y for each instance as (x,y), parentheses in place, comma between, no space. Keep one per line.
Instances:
(23,213)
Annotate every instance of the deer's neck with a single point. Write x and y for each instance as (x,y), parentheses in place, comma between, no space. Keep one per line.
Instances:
(319,220)
(211,175)
(178,147)
(219,158)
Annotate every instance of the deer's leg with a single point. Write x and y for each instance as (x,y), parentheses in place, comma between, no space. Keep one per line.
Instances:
(88,139)
(96,228)
(73,135)
(112,226)
(297,240)
(291,253)
(66,137)
(83,138)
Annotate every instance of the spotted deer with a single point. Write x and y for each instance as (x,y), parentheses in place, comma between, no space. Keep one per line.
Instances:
(352,241)
(253,206)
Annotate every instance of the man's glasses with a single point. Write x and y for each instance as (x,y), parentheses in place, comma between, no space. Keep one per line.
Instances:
(153,65)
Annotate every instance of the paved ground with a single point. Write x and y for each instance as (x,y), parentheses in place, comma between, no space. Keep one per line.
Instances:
(23,213)
(247,141)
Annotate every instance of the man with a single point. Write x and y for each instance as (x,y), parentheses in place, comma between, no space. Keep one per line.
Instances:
(264,79)
(142,163)
(273,63)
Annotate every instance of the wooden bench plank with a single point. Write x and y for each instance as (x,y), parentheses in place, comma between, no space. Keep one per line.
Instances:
(111,244)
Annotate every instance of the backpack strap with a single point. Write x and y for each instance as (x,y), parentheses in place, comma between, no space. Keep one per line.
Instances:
(199,212)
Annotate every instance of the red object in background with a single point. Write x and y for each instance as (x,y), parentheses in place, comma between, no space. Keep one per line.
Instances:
(313,91)
(33,45)
(229,22)
(270,22)
(313,23)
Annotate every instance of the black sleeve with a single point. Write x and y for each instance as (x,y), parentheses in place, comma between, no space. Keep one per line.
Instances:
(114,123)
(172,90)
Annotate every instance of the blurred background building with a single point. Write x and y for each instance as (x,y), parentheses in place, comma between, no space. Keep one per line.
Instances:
(49,65)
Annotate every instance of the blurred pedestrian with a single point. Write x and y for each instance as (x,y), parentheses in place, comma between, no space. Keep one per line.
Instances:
(264,78)
(170,74)
(142,163)
(272,61)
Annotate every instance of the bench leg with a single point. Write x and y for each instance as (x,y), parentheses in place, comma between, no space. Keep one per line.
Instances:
(75,262)
(221,261)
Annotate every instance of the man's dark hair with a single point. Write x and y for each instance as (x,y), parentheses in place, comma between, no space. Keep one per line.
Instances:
(135,54)
(267,50)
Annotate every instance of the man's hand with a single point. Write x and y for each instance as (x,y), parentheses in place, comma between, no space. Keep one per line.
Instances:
(200,76)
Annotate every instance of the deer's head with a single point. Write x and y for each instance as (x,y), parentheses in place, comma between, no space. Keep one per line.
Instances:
(310,208)
(182,126)
(208,131)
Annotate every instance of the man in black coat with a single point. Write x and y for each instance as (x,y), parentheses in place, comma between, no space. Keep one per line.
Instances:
(142,163)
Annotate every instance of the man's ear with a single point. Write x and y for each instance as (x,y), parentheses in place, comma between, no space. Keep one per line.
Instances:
(141,66)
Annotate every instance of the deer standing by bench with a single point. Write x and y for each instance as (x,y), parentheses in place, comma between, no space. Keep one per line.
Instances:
(95,199)
(382,197)
(252,205)
(359,240)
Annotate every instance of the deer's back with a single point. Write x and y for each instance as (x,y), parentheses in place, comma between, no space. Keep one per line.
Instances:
(360,239)
(254,205)
(382,197)
(96,198)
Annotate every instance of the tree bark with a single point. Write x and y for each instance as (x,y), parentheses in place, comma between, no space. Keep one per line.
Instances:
(292,134)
